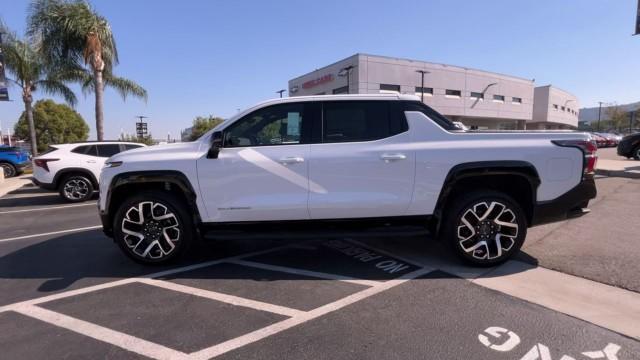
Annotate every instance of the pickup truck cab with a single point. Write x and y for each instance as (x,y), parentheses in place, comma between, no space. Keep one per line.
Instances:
(367,163)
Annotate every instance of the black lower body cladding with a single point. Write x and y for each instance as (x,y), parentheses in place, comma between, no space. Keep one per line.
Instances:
(565,205)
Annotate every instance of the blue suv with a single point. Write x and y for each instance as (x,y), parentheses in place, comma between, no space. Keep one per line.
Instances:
(13,160)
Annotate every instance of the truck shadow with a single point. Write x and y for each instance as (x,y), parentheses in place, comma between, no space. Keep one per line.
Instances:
(88,258)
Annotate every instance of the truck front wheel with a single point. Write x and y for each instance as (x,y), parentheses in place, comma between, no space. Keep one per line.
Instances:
(484,227)
(153,228)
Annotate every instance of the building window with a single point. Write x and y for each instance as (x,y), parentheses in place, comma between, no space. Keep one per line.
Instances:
(498,98)
(562,108)
(341,90)
(516,100)
(386,88)
(477,95)
(453,93)
(555,106)
(427,91)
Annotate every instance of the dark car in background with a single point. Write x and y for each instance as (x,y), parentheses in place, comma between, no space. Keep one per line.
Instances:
(629,146)
(13,160)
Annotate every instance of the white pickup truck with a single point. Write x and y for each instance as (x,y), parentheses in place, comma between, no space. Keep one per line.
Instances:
(367,165)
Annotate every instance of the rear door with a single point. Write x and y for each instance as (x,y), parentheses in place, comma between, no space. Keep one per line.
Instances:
(363,166)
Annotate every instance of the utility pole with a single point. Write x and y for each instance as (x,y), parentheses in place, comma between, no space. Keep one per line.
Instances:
(280,92)
(599,113)
(422,72)
(141,127)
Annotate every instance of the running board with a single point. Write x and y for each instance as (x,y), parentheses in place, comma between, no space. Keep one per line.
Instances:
(313,234)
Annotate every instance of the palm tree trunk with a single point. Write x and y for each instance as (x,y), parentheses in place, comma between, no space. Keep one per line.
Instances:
(32,129)
(99,85)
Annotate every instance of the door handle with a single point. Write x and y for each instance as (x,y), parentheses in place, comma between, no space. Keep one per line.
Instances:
(291,160)
(392,157)
(91,161)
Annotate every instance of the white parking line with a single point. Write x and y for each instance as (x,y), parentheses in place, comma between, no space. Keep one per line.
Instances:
(259,334)
(51,233)
(316,274)
(47,208)
(229,299)
(128,342)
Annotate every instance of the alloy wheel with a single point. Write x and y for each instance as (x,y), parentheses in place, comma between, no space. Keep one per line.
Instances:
(151,230)
(76,189)
(486,231)
(8,170)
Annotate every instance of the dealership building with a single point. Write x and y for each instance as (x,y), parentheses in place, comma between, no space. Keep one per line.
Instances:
(479,99)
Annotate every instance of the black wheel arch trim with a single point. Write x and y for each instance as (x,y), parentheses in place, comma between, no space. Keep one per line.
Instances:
(483,168)
(61,174)
(171,177)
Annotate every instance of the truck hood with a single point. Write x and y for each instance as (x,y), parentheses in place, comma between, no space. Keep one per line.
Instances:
(164,152)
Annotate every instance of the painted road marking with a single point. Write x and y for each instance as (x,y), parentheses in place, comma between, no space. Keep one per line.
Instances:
(538,351)
(229,299)
(107,285)
(47,208)
(254,336)
(316,274)
(122,340)
(51,233)
(604,305)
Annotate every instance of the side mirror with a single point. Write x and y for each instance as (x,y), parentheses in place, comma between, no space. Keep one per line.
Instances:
(216,145)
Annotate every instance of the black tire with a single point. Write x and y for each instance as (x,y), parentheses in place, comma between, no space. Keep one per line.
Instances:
(8,169)
(636,153)
(467,242)
(152,230)
(76,188)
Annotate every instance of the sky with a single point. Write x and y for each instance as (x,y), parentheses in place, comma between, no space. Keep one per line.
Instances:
(202,57)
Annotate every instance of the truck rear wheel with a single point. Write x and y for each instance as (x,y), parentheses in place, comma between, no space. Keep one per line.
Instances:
(484,227)
(153,228)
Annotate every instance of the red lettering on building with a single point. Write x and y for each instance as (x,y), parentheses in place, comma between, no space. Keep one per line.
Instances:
(315,82)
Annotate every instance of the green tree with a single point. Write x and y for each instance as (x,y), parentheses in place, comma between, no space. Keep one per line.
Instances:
(29,73)
(203,124)
(147,139)
(617,117)
(72,35)
(54,124)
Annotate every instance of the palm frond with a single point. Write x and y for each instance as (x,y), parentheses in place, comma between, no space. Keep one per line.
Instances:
(124,87)
(53,86)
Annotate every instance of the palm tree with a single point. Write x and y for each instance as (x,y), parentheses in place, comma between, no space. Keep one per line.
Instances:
(70,32)
(30,74)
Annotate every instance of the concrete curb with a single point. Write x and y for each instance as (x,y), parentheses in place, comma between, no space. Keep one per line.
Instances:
(619,173)
(11,184)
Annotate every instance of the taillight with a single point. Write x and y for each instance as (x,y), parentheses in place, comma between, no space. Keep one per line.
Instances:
(43,163)
(588,148)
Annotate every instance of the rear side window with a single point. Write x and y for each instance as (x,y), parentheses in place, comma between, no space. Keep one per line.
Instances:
(86,150)
(108,150)
(432,114)
(131,146)
(9,149)
(353,121)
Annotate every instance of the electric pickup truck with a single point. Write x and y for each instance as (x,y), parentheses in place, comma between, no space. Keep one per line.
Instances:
(371,165)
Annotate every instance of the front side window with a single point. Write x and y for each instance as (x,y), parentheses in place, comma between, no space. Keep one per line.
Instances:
(352,121)
(274,125)
(108,150)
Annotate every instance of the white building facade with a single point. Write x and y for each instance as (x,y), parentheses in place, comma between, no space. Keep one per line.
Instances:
(479,99)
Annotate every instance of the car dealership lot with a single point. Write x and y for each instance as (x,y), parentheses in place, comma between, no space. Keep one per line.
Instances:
(68,292)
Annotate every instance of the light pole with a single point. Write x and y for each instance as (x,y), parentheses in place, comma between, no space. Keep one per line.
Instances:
(346,71)
(422,72)
(280,92)
(599,113)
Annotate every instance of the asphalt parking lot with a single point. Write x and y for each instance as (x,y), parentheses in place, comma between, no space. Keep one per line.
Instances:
(66,292)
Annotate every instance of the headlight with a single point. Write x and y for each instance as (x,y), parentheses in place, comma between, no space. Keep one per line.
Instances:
(112,164)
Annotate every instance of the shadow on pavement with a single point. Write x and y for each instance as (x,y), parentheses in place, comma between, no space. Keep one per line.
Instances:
(62,261)
(42,198)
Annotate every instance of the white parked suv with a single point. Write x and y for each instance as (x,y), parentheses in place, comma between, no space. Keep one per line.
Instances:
(365,165)
(74,169)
